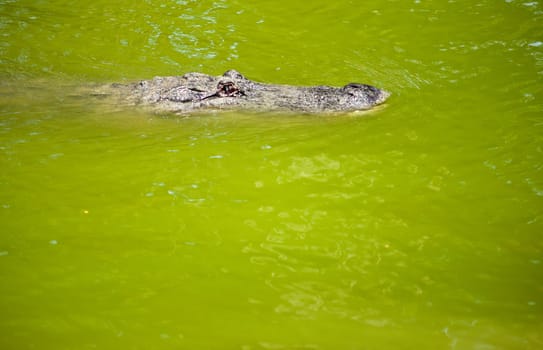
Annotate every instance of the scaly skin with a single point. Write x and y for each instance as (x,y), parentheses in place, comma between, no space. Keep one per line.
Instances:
(194,92)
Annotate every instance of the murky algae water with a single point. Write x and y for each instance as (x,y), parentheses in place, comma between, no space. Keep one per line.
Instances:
(417,226)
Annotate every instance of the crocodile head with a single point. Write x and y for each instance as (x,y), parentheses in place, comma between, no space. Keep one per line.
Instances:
(361,96)
(233,91)
(351,97)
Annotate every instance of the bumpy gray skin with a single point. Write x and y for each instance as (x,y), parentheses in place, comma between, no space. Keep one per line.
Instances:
(194,92)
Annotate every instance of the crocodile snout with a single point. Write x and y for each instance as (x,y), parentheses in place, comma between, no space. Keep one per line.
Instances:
(382,97)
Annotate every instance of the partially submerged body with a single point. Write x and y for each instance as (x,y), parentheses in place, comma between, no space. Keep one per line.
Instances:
(195,92)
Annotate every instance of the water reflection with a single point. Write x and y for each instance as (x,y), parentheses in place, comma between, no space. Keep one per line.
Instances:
(423,220)
(196,31)
(322,264)
(173,32)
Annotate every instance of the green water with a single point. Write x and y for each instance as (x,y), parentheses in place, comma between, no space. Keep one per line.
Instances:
(417,226)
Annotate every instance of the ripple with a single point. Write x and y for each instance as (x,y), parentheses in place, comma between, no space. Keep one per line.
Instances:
(194,31)
(318,168)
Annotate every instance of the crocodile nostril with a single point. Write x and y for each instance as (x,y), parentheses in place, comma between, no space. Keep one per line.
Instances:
(353,85)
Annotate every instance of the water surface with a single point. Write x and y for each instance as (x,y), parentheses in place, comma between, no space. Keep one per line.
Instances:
(417,226)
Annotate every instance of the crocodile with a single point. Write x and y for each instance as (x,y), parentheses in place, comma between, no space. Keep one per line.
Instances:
(193,92)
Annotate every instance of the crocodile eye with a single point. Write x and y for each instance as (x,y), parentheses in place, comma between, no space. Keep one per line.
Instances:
(227,89)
